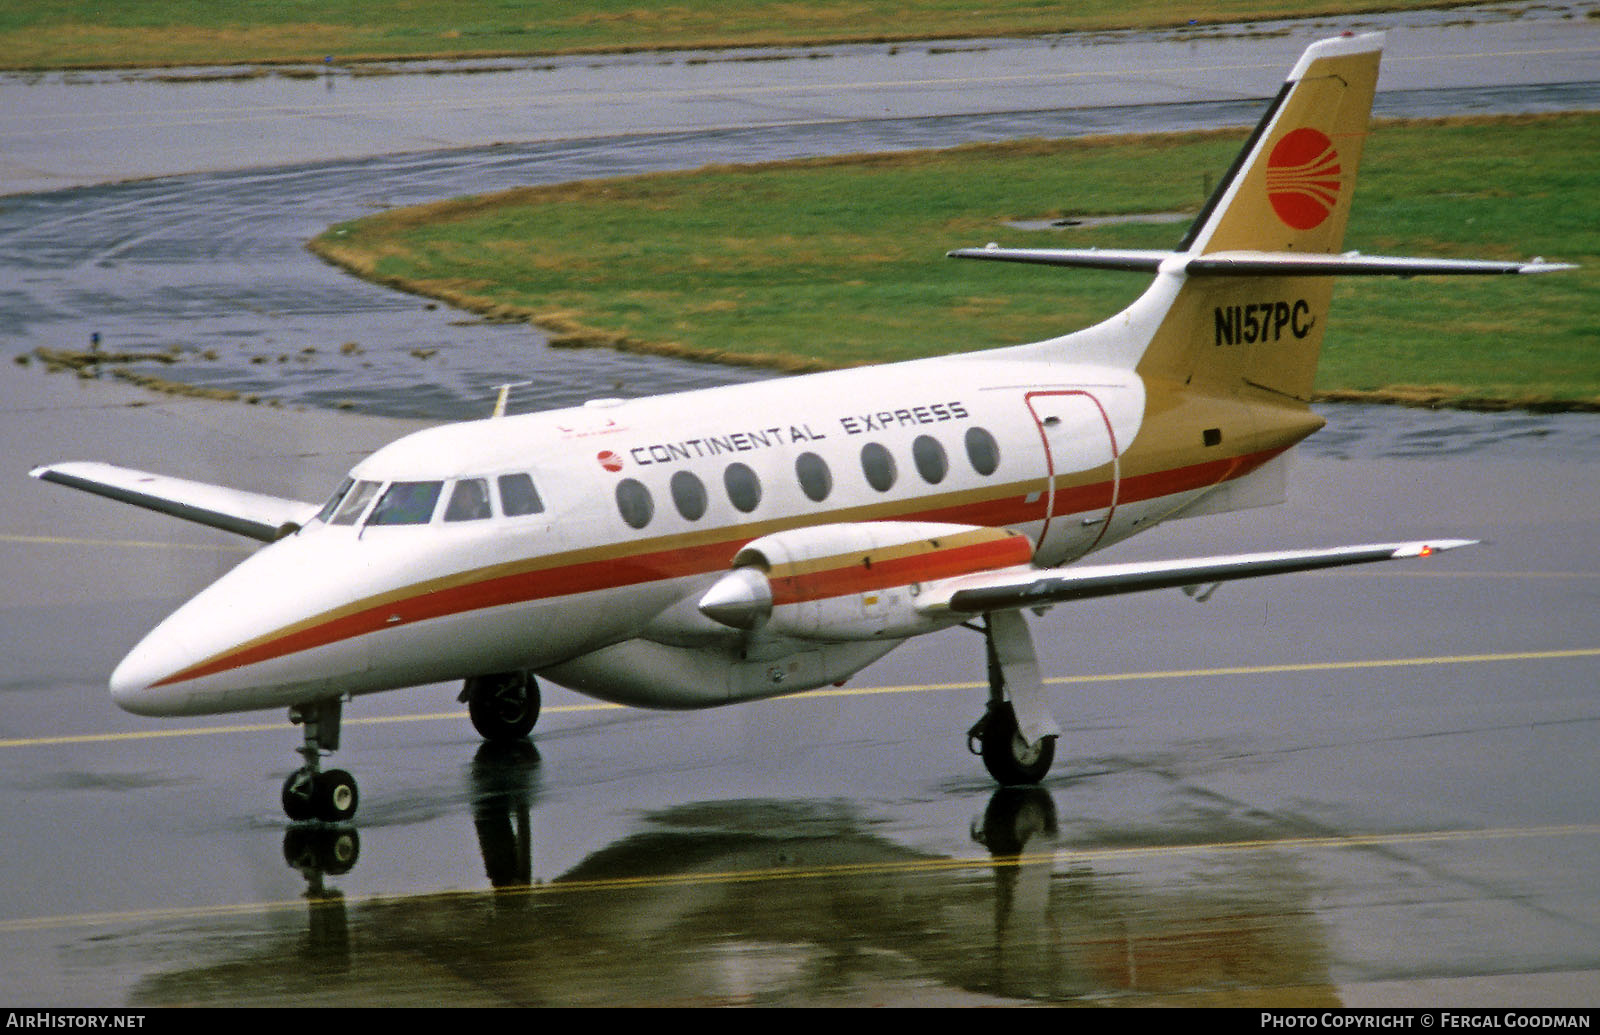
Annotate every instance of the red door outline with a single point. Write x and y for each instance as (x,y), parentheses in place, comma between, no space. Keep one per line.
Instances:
(1050,464)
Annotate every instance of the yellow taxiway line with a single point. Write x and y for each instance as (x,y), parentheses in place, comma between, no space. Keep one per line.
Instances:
(862,691)
(1077,856)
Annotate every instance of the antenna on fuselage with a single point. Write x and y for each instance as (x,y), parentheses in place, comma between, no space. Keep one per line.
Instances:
(504,394)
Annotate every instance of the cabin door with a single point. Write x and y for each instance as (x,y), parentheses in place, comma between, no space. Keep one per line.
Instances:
(1083,472)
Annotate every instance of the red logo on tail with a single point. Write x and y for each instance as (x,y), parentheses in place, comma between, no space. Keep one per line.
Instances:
(1303,178)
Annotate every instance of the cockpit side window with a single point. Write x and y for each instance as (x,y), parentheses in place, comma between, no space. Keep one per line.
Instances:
(518,496)
(469,501)
(333,502)
(407,503)
(355,501)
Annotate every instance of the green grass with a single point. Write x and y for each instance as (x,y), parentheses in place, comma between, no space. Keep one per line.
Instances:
(836,262)
(126,33)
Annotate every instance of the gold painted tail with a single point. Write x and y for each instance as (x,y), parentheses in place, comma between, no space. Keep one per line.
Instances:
(1289,192)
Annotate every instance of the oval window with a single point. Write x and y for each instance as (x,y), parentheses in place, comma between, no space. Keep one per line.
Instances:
(929,456)
(878,465)
(744,488)
(634,503)
(982,451)
(816,481)
(688,495)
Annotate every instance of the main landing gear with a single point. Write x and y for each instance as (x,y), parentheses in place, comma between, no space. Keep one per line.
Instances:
(503,706)
(309,792)
(1016,737)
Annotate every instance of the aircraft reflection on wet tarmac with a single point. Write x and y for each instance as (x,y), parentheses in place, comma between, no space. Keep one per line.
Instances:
(767,902)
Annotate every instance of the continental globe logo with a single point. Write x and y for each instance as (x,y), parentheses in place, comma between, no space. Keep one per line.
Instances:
(1303,178)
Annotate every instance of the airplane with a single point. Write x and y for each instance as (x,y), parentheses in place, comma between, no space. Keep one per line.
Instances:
(730,544)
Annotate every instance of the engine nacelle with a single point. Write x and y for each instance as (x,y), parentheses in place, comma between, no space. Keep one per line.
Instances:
(857,581)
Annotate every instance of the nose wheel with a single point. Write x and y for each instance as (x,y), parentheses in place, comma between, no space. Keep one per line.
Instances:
(311,792)
(330,796)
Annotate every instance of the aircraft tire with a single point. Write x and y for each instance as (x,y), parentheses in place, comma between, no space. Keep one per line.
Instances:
(336,796)
(299,795)
(1007,757)
(504,707)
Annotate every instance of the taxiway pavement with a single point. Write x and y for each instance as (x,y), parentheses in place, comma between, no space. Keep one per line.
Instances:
(1358,788)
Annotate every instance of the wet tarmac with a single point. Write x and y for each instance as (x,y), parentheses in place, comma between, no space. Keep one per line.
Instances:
(1374,787)
(1357,788)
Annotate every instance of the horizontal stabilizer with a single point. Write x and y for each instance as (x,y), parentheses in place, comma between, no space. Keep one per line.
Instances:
(1130,260)
(1004,590)
(1255,264)
(243,513)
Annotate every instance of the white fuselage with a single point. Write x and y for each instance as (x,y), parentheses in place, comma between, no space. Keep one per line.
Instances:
(643,504)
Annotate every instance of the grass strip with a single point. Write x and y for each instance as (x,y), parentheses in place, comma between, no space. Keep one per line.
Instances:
(836,262)
(135,33)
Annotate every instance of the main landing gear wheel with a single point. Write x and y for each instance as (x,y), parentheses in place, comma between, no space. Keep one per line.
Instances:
(1009,758)
(1013,676)
(503,706)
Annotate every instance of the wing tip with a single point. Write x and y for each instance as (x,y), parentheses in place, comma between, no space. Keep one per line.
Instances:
(1427,548)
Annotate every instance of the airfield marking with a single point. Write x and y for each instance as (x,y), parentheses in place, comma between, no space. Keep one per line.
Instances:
(56,540)
(62,121)
(863,691)
(867,869)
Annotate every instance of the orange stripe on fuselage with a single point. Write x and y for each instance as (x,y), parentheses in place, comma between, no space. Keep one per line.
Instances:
(674,561)
(855,577)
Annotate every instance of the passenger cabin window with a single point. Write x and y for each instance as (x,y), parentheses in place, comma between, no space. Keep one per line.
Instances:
(634,503)
(469,501)
(744,488)
(407,503)
(983,452)
(518,496)
(816,481)
(355,501)
(928,455)
(878,465)
(689,495)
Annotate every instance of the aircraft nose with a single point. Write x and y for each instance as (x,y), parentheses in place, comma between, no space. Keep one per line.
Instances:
(154,658)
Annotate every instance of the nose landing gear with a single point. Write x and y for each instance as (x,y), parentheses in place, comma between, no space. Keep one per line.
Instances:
(310,792)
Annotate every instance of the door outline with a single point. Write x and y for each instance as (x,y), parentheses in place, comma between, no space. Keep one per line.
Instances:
(1039,422)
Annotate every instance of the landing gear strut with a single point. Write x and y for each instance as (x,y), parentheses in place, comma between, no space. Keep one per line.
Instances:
(309,792)
(503,706)
(1016,736)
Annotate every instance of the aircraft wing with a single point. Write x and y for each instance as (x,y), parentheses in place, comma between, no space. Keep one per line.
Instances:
(243,513)
(1015,588)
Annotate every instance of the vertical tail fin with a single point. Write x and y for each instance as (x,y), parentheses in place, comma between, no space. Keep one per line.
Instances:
(1241,306)
(1288,192)
(1290,188)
